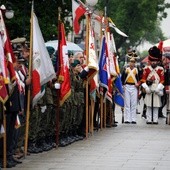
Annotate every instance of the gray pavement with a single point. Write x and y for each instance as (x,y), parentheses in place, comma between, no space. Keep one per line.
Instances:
(126,147)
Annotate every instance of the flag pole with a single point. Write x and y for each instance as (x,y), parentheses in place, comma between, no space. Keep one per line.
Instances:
(87,90)
(4,139)
(29,87)
(92,115)
(101,96)
(58,90)
(90,104)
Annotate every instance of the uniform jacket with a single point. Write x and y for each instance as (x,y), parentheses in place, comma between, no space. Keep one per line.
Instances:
(156,75)
(136,72)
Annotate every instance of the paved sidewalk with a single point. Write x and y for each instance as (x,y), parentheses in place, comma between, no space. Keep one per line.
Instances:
(126,147)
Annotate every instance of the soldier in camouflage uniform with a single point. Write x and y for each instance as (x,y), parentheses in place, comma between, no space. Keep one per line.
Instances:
(45,105)
(51,116)
(34,129)
(78,97)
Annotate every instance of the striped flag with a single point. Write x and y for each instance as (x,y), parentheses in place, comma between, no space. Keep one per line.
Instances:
(42,71)
(77,10)
(7,72)
(10,59)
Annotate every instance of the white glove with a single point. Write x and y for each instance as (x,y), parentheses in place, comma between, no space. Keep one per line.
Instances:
(160,93)
(159,88)
(43,108)
(57,85)
(86,69)
(146,87)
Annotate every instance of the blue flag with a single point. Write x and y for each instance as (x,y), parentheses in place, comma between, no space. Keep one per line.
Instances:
(118,96)
(103,76)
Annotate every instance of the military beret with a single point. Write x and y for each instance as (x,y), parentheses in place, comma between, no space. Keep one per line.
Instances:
(70,54)
(50,50)
(75,63)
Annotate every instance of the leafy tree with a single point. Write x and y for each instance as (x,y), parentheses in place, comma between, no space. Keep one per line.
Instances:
(46,12)
(138,19)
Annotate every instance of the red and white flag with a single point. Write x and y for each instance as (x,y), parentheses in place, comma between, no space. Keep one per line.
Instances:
(92,58)
(42,67)
(7,72)
(111,54)
(3,62)
(3,90)
(110,87)
(77,11)
(10,59)
(63,71)
(92,64)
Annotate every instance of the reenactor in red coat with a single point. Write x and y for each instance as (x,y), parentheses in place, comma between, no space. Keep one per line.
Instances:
(152,82)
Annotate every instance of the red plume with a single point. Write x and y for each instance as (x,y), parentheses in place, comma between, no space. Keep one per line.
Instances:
(160,46)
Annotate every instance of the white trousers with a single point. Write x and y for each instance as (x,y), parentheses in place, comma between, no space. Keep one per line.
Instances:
(149,114)
(130,98)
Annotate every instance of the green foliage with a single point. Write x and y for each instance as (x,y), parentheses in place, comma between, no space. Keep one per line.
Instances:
(140,20)
(46,12)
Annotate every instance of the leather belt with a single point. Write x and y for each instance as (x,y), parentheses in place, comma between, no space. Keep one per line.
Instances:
(130,83)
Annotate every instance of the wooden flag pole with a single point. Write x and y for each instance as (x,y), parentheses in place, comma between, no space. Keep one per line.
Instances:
(57,118)
(111,114)
(104,115)
(87,89)
(92,115)
(58,90)
(4,139)
(29,87)
(101,112)
(101,96)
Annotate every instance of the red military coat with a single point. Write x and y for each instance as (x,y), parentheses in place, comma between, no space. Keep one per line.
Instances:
(156,75)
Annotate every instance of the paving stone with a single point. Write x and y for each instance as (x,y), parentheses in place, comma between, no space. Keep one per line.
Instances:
(125,147)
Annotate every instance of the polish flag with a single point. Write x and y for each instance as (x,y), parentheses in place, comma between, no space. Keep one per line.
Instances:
(42,67)
(8,52)
(77,11)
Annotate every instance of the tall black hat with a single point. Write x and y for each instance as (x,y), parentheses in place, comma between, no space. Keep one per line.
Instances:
(155,54)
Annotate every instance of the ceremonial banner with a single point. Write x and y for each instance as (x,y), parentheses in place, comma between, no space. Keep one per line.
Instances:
(64,75)
(8,52)
(42,68)
(92,58)
(3,75)
(103,75)
(77,10)
(118,96)
(3,90)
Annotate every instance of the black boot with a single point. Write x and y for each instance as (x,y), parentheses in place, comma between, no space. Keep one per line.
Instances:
(144,112)
(33,149)
(43,145)
(62,140)
(50,141)
(160,114)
